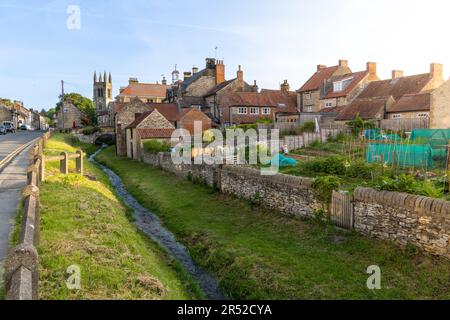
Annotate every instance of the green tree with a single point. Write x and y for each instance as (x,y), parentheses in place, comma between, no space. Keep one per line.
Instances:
(84,104)
(359,124)
(6,102)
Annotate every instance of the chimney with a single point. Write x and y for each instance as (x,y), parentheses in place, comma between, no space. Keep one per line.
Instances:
(133,81)
(320,67)
(164,81)
(285,86)
(397,74)
(255,86)
(220,72)
(210,63)
(121,89)
(437,70)
(343,63)
(187,75)
(240,74)
(372,69)
(194,70)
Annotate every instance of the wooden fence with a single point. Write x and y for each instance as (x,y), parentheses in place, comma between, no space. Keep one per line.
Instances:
(342,210)
(406,125)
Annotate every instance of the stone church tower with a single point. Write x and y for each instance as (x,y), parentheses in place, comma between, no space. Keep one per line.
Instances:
(102,92)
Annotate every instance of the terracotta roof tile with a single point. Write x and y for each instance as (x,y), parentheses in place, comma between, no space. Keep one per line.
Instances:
(144,90)
(286,102)
(367,109)
(155,133)
(318,78)
(412,102)
(396,87)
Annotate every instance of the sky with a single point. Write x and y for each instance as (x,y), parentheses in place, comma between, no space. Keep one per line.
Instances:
(272,40)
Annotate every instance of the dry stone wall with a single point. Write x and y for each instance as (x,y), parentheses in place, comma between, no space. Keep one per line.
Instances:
(402,218)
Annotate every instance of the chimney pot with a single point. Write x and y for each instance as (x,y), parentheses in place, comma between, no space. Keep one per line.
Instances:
(194,70)
(187,75)
(240,74)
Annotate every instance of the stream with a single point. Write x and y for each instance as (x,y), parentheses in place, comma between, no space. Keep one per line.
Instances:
(152,226)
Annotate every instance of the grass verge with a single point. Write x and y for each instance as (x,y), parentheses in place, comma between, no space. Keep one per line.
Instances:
(257,254)
(84,224)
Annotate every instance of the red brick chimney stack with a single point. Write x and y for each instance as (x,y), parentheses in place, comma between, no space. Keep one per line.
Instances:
(220,72)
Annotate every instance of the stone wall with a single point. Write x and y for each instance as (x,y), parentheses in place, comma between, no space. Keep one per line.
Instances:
(404,218)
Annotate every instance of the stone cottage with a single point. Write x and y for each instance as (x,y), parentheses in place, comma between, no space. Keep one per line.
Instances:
(440,107)
(70,117)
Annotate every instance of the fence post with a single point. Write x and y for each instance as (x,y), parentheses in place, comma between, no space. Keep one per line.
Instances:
(79,162)
(64,163)
(32,175)
(42,168)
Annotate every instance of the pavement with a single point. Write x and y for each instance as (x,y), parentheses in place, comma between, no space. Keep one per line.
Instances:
(13,179)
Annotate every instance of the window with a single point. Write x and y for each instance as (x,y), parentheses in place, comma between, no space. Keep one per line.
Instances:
(329,105)
(242,110)
(266,111)
(396,116)
(337,86)
(422,115)
(308,96)
(254,110)
(308,109)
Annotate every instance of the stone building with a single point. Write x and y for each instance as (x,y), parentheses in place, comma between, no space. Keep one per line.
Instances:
(6,114)
(309,95)
(159,123)
(342,89)
(146,92)
(70,117)
(440,107)
(234,85)
(248,107)
(405,97)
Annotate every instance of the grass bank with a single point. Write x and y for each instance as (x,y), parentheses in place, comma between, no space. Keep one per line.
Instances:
(257,254)
(84,224)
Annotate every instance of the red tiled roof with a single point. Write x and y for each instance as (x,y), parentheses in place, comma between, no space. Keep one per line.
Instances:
(367,109)
(357,78)
(318,78)
(155,133)
(396,87)
(268,98)
(412,102)
(145,90)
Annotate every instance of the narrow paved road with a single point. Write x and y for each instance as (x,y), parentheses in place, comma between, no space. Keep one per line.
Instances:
(11,141)
(13,179)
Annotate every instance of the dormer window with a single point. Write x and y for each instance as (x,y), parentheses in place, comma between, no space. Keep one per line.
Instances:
(339,86)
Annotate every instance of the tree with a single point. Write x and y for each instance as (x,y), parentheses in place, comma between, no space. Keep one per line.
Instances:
(6,102)
(359,124)
(84,104)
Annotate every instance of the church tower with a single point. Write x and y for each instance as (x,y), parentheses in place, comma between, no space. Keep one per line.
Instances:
(102,92)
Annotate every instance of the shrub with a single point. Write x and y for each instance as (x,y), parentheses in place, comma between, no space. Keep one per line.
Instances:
(329,165)
(323,188)
(265,121)
(409,184)
(155,146)
(90,130)
(308,126)
(359,169)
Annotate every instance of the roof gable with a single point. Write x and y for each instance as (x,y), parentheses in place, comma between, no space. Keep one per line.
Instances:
(370,108)
(144,90)
(318,78)
(412,102)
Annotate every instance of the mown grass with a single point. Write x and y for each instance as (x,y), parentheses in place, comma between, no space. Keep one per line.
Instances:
(84,224)
(257,254)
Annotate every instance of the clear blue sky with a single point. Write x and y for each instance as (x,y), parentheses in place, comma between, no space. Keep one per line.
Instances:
(272,40)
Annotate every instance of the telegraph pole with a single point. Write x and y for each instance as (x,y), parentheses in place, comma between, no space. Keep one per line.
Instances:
(62,103)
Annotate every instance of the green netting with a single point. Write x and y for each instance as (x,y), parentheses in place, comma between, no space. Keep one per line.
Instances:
(376,135)
(401,155)
(432,136)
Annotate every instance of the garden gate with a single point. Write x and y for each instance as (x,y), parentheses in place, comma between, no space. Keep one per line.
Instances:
(342,210)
